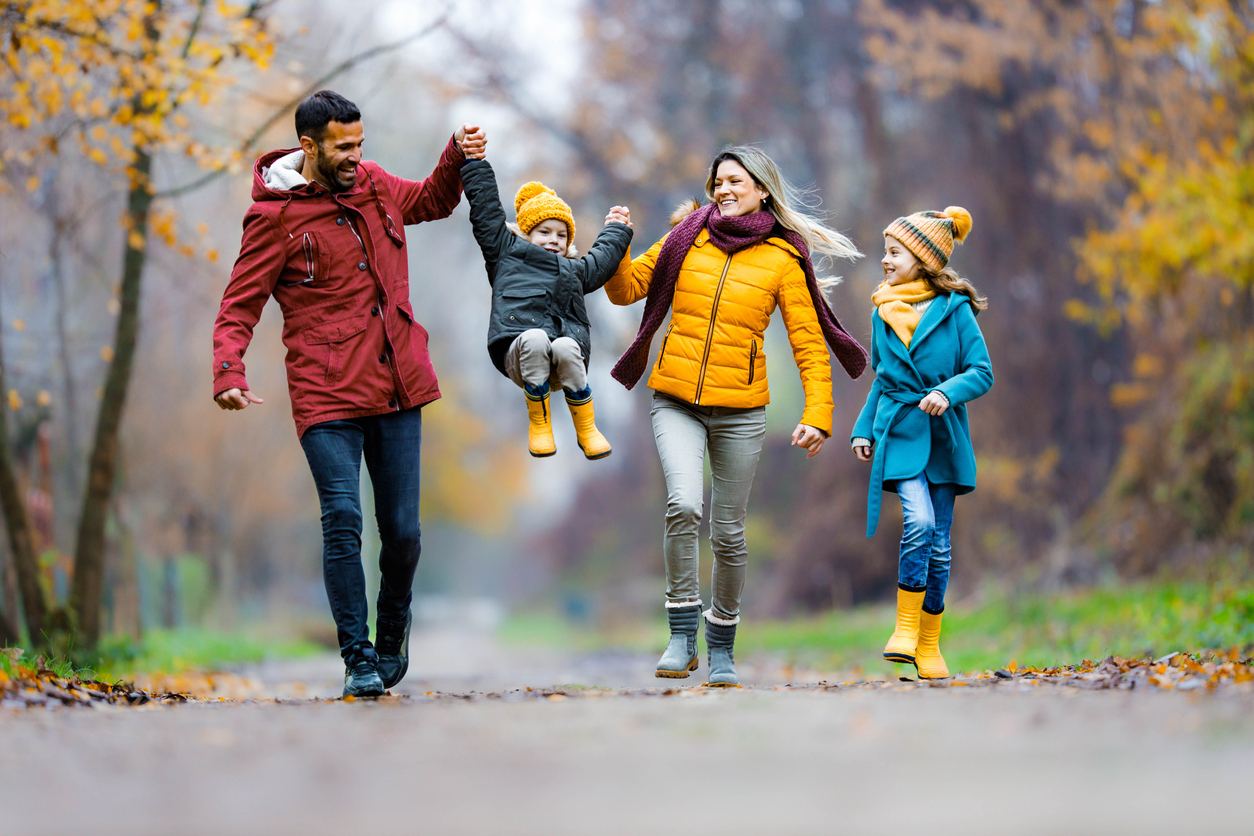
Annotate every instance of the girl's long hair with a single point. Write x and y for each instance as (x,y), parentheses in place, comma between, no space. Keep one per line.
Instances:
(793,207)
(948,281)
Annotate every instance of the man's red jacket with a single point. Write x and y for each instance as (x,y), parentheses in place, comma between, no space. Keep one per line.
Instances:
(338,266)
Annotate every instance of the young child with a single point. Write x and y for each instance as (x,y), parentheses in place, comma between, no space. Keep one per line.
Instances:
(930,360)
(538,332)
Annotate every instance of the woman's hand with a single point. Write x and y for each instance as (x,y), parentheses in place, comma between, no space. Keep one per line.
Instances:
(864,454)
(618,215)
(472,141)
(934,404)
(811,438)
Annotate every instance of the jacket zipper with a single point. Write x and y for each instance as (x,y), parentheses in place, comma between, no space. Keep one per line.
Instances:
(753,359)
(309,258)
(662,351)
(709,337)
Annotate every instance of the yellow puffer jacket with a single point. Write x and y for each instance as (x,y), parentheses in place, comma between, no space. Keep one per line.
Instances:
(711,354)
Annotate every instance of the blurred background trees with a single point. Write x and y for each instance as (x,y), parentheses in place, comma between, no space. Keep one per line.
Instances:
(1102,148)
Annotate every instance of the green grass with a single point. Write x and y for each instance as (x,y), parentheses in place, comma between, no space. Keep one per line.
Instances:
(173,651)
(1035,629)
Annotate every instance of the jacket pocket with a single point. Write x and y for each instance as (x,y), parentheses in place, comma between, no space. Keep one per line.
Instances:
(309,261)
(661,352)
(334,335)
(753,359)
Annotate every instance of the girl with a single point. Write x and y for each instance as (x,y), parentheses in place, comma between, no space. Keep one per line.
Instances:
(720,273)
(538,333)
(930,360)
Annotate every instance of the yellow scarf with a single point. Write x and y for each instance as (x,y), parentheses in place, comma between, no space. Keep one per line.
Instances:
(896,306)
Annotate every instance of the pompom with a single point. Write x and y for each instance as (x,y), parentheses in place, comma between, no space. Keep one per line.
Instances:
(962,221)
(528,191)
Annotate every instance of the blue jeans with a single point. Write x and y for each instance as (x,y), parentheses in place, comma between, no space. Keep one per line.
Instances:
(925,548)
(391,443)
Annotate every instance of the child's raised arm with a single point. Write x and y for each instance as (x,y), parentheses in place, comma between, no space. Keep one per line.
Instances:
(487,216)
(598,266)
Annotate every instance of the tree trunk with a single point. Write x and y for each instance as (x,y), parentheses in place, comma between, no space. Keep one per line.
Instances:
(89,556)
(17,521)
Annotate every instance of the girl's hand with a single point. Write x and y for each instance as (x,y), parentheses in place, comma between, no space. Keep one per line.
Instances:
(810,438)
(934,404)
(619,215)
(864,454)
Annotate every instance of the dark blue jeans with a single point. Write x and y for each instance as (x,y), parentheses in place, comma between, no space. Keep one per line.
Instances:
(391,444)
(925,548)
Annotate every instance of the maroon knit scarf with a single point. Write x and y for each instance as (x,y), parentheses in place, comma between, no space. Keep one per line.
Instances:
(730,234)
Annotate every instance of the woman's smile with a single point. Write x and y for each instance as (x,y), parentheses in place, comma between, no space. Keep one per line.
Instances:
(735,190)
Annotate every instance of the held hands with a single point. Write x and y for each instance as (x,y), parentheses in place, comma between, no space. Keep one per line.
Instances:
(472,140)
(236,399)
(934,403)
(618,215)
(810,438)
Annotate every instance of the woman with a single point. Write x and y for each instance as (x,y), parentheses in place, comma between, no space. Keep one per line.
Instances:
(721,272)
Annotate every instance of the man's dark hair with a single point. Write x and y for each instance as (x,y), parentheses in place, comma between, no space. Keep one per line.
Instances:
(313,114)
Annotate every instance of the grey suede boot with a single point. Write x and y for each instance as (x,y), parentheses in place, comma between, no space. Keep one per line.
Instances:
(720,639)
(681,654)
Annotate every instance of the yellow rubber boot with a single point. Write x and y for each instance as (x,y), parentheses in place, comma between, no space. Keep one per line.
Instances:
(927,657)
(591,441)
(901,647)
(540,430)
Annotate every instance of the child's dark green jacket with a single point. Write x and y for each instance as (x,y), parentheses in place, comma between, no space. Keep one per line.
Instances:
(947,354)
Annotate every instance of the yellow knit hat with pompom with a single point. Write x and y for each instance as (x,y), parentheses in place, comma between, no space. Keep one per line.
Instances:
(536,202)
(931,235)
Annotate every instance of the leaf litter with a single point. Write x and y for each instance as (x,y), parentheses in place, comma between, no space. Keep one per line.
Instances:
(1201,671)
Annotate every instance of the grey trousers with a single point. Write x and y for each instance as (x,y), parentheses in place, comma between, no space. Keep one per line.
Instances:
(733,437)
(532,359)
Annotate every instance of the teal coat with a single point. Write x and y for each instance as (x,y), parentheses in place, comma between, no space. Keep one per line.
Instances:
(946,354)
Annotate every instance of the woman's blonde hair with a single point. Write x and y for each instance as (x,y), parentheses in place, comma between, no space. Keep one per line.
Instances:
(793,207)
(948,281)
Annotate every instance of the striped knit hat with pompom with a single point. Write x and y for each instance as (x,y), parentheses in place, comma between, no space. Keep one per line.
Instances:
(536,203)
(931,235)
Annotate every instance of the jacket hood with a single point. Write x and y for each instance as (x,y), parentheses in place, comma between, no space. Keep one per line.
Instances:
(277,173)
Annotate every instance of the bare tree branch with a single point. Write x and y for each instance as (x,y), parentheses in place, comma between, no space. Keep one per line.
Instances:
(315,86)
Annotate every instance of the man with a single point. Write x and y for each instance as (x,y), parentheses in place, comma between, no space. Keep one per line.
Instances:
(325,237)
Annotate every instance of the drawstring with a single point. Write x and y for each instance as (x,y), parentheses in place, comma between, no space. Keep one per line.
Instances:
(281,208)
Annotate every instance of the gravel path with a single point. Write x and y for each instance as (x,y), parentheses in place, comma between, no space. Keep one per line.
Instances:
(482,754)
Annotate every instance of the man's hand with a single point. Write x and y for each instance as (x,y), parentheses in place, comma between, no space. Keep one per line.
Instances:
(810,438)
(618,215)
(473,141)
(864,454)
(934,404)
(236,399)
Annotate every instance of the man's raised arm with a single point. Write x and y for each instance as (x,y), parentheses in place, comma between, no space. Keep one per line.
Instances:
(437,196)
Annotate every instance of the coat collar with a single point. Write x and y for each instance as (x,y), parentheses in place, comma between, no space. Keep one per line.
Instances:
(933,316)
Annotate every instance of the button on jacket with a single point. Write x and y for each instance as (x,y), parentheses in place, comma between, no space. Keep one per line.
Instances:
(338,266)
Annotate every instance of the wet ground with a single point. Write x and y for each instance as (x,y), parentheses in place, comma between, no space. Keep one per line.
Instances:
(597,745)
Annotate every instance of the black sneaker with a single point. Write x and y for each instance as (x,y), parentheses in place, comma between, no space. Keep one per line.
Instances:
(361,677)
(392,641)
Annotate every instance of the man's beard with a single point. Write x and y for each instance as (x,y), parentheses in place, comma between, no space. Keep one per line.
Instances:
(331,174)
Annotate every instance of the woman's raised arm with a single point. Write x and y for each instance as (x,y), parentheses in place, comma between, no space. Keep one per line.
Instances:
(631,280)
